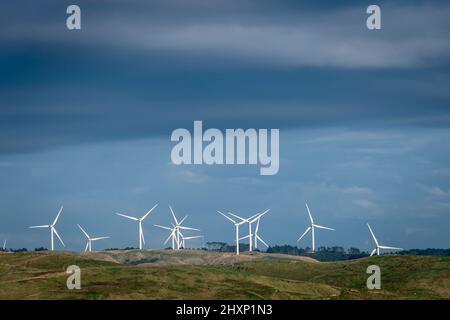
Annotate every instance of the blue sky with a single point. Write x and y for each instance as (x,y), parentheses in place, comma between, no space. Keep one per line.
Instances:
(364,118)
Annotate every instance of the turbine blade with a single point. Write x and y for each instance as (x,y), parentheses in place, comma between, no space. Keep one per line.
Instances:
(309,213)
(128,217)
(57,217)
(236,216)
(260,239)
(99,238)
(170,236)
(322,227)
(373,252)
(373,236)
(182,220)
(43,226)
(142,233)
(173,214)
(252,218)
(188,228)
(389,248)
(145,216)
(83,231)
(193,237)
(227,217)
(163,227)
(248,236)
(56,232)
(304,233)
(259,216)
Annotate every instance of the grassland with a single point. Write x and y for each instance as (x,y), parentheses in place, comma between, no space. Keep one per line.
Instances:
(164,274)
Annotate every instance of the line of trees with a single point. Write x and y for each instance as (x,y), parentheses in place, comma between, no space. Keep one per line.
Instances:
(322,253)
(334,253)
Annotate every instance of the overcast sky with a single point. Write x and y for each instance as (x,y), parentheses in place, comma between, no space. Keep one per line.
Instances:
(364,118)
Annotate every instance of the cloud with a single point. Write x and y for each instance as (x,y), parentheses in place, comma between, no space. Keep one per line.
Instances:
(299,38)
(434,190)
(143,68)
(357,190)
(364,203)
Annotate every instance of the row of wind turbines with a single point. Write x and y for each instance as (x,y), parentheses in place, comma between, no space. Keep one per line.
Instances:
(178,237)
(255,237)
(176,234)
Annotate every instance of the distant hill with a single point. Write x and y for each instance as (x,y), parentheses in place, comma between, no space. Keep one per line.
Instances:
(190,274)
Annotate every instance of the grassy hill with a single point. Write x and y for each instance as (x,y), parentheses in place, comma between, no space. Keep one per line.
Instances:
(165,274)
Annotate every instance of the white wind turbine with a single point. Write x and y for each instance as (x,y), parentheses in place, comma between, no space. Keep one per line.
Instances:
(252,237)
(183,239)
(171,236)
(89,240)
(312,229)
(378,246)
(141,231)
(257,237)
(52,230)
(175,234)
(236,224)
(4,245)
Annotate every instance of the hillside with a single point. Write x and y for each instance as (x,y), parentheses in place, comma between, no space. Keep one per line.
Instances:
(165,274)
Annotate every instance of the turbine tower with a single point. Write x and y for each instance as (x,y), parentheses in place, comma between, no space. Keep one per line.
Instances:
(378,246)
(52,230)
(312,229)
(89,240)
(4,245)
(141,231)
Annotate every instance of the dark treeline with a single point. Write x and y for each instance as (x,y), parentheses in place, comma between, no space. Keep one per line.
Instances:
(426,252)
(335,253)
(322,253)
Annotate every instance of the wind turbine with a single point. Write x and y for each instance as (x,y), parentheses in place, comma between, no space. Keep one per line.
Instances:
(175,234)
(249,220)
(141,231)
(4,245)
(52,229)
(236,224)
(183,239)
(378,246)
(89,240)
(312,229)
(257,237)
(171,236)
(252,237)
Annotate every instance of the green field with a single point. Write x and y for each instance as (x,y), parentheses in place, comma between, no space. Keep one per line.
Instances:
(165,274)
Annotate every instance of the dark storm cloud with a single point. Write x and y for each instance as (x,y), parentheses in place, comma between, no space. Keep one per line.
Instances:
(143,68)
